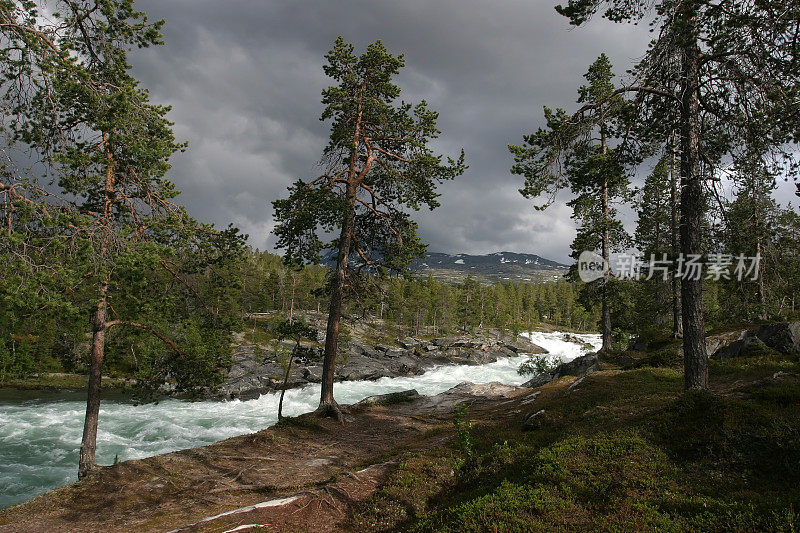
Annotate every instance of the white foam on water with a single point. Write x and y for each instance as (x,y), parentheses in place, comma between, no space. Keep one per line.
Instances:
(39,439)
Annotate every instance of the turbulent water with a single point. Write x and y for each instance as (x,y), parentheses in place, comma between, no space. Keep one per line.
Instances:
(40,437)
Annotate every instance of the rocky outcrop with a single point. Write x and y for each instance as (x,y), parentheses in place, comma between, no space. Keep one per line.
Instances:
(580,366)
(253,374)
(783,337)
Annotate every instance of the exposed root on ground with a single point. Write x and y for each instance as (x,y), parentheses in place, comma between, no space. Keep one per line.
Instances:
(330,410)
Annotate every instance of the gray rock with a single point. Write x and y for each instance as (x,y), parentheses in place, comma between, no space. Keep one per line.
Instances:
(714,343)
(466,343)
(445,342)
(250,394)
(739,348)
(531,398)
(539,380)
(522,345)
(784,337)
(535,420)
(392,397)
(312,375)
(409,343)
(579,367)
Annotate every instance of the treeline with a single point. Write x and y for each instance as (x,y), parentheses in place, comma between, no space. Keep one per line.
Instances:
(751,256)
(708,254)
(426,305)
(200,308)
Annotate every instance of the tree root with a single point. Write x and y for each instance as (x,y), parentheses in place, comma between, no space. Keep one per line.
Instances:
(331,410)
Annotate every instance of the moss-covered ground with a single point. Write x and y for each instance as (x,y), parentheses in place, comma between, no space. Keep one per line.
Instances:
(625,450)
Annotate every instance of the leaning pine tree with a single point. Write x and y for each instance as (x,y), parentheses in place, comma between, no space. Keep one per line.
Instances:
(108,149)
(378,167)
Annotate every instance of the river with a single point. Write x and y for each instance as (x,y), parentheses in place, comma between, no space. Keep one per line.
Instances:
(40,433)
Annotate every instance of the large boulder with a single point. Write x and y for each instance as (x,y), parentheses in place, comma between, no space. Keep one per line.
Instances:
(579,367)
(523,345)
(740,348)
(715,343)
(391,398)
(784,337)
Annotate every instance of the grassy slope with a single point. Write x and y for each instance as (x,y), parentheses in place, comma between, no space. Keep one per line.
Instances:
(623,450)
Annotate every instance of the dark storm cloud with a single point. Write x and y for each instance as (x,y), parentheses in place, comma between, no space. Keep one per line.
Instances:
(244,78)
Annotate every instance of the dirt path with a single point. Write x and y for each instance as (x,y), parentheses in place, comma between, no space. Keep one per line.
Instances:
(278,479)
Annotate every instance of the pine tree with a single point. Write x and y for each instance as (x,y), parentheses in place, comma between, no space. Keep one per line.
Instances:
(108,149)
(575,152)
(379,167)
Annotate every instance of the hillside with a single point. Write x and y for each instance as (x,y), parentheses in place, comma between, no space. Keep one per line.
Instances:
(498,266)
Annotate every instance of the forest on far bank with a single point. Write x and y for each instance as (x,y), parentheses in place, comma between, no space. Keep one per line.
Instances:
(42,341)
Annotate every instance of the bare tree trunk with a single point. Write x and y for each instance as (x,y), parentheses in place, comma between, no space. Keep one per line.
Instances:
(692,212)
(89,440)
(285,381)
(606,311)
(677,315)
(291,355)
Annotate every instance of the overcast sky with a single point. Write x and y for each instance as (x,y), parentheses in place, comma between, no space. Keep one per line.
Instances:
(244,78)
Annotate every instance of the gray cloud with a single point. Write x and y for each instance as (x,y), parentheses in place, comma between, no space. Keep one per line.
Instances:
(244,78)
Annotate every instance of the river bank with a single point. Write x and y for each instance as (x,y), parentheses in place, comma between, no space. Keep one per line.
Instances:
(40,436)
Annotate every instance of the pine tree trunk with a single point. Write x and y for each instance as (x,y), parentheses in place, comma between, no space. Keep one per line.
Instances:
(677,315)
(692,212)
(606,311)
(762,297)
(89,441)
(327,405)
(99,326)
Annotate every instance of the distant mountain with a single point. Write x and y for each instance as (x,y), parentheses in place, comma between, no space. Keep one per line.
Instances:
(499,266)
